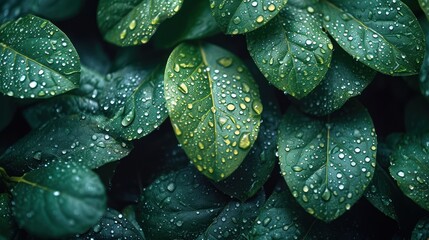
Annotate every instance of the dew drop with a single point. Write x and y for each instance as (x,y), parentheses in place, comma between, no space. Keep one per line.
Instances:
(271,7)
(257,107)
(297,168)
(260,19)
(183,88)
(132,25)
(176,129)
(129,118)
(244,142)
(401,174)
(33,84)
(326,195)
(225,62)
(230,107)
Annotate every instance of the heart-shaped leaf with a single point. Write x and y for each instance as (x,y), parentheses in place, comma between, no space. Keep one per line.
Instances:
(37,59)
(58,200)
(327,162)
(134,102)
(84,143)
(127,23)
(214,107)
(345,79)
(410,167)
(292,50)
(382,34)
(236,17)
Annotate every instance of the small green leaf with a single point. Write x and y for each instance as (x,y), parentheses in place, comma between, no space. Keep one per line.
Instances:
(7,222)
(214,107)
(381,193)
(382,34)
(113,225)
(134,102)
(194,21)
(327,162)
(424,4)
(70,139)
(256,168)
(417,115)
(410,167)
(58,200)
(127,23)
(345,79)
(421,230)
(37,59)
(84,100)
(236,17)
(179,205)
(292,50)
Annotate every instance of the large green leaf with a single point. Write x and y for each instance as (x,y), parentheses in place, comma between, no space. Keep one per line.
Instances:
(37,59)
(58,200)
(70,139)
(292,50)
(7,222)
(194,21)
(382,34)
(134,102)
(113,225)
(327,162)
(421,230)
(84,100)
(410,167)
(256,168)
(133,22)
(214,107)
(345,79)
(179,205)
(235,17)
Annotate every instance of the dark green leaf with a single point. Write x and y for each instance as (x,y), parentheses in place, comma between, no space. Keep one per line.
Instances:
(7,111)
(84,100)
(194,21)
(7,222)
(134,102)
(327,162)
(292,50)
(345,79)
(380,193)
(235,220)
(214,107)
(58,200)
(127,23)
(424,4)
(179,205)
(70,139)
(256,168)
(424,70)
(113,225)
(37,59)
(421,231)
(236,17)
(382,34)
(417,116)
(410,167)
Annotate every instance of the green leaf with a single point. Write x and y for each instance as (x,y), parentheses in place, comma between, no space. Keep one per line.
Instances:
(421,230)
(194,21)
(256,168)
(327,162)
(37,59)
(7,222)
(58,200)
(292,50)
(113,225)
(424,4)
(214,107)
(236,17)
(424,70)
(134,102)
(127,23)
(345,79)
(84,100)
(417,115)
(7,111)
(179,205)
(410,167)
(381,193)
(71,139)
(382,34)
(235,220)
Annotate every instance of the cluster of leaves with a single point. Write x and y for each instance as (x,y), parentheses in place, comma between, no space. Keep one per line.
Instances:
(223,73)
